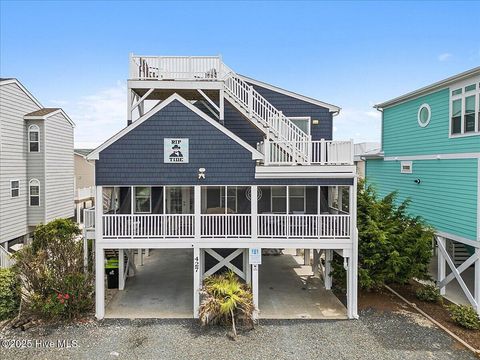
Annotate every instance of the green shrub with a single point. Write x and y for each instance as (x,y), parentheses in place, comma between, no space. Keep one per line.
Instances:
(52,270)
(465,315)
(429,293)
(393,247)
(226,300)
(9,293)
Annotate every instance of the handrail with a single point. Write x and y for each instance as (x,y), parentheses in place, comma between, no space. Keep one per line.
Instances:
(6,260)
(282,128)
(322,152)
(233,226)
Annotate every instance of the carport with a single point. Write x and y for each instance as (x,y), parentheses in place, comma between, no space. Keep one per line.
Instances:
(288,290)
(161,288)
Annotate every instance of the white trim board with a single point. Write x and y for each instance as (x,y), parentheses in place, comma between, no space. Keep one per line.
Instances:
(330,107)
(430,88)
(459,239)
(478,201)
(94,155)
(45,117)
(434,157)
(23,88)
(305,172)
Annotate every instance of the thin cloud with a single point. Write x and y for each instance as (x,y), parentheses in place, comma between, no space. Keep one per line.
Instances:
(97,116)
(444,56)
(361,125)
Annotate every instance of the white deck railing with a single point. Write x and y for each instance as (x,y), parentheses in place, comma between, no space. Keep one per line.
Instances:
(322,152)
(85,193)
(226,225)
(208,68)
(278,127)
(89,218)
(303,226)
(148,226)
(232,226)
(5,258)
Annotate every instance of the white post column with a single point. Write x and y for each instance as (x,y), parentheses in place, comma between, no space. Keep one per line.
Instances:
(129,106)
(306,257)
(197,275)
(254,212)
(327,277)
(197,209)
(99,257)
(315,264)
(255,270)
(121,269)
(222,106)
(441,263)
(349,287)
(476,279)
(354,255)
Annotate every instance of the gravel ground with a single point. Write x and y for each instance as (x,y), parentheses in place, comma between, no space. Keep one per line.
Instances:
(375,336)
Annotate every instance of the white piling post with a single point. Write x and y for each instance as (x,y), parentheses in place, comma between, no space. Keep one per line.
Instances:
(196,281)
(328,269)
(441,263)
(121,269)
(255,269)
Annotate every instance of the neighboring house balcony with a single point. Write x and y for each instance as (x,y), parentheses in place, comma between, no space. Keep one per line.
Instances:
(281,216)
(83,194)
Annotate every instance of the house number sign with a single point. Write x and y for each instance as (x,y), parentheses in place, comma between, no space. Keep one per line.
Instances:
(175,151)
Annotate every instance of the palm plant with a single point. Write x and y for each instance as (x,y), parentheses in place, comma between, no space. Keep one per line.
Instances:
(226,300)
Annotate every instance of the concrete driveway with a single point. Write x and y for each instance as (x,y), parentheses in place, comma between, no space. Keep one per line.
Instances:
(287,290)
(162,288)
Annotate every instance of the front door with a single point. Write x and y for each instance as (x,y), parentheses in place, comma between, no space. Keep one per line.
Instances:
(179,200)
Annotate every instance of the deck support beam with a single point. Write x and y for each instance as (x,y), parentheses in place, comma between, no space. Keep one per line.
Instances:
(121,269)
(306,257)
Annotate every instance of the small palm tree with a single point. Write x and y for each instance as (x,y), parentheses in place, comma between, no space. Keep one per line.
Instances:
(226,300)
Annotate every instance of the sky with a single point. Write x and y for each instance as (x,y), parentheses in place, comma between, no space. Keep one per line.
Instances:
(74,55)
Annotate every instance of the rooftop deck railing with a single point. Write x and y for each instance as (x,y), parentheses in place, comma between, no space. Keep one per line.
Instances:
(228,226)
(207,68)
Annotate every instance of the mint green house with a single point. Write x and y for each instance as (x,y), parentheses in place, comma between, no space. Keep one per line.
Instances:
(431,154)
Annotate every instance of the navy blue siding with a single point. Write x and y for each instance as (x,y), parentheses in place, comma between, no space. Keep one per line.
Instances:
(137,157)
(294,107)
(243,128)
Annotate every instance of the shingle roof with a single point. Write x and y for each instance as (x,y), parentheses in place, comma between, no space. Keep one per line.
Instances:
(83,152)
(42,112)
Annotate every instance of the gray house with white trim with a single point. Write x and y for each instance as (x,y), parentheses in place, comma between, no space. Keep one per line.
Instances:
(36,163)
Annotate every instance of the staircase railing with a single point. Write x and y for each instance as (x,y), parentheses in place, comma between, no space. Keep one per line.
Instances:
(273,120)
(5,258)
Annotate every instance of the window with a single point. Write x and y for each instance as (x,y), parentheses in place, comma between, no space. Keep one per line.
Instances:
(296,197)
(14,188)
(34,191)
(465,109)
(469,117)
(33,138)
(303,123)
(424,114)
(142,199)
(231,198)
(406,167)
(279,199)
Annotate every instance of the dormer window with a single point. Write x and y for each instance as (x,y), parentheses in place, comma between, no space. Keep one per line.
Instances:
(33,138)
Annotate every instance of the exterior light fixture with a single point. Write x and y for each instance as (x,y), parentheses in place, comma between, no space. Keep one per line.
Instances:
(201,173)
(417,181)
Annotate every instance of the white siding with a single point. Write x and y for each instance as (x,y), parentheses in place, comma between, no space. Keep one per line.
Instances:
(14,104)
(59,184)
(36,170)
